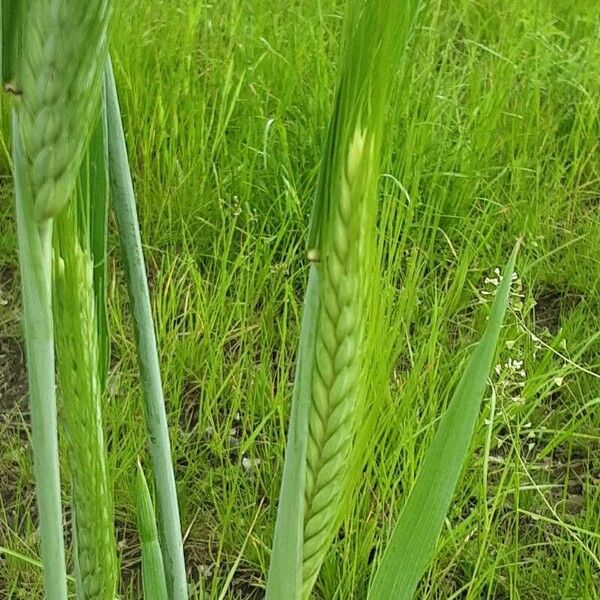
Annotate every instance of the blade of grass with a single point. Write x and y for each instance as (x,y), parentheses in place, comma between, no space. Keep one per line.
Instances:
(26,559)
(156,418)
(96,184)
(236,563)
(415,535)
(285,571)
(153,571)
(34,260)
(9,37)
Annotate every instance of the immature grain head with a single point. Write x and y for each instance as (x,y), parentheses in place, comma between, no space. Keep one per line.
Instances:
(77,350)
(343,231)
(333,359)
(58,76)
(338,365)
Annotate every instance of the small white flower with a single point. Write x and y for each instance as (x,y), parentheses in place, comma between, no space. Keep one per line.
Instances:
(206,570)
(250,463)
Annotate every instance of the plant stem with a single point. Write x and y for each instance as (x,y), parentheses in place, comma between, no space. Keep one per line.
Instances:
(156,418)
(34,259)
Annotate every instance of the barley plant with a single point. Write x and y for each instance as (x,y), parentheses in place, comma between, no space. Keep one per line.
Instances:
(56,79)
(331,381)
(56,63)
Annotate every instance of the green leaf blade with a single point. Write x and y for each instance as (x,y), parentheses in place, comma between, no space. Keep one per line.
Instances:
(415,535)
(10,37)
(285,571)
(153,572)
(97,167)
(123,197)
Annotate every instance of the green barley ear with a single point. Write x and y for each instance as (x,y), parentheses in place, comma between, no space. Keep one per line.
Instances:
(58,80)
(81,391)
(331,381)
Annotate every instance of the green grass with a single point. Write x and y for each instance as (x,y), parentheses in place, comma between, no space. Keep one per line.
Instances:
(492,134)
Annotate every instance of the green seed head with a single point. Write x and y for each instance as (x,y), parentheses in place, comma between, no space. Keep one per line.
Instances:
(80,390)
(337,384)
(58,77)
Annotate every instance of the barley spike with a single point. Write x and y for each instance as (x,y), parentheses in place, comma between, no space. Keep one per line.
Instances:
(76,339)
(338,364)
(59,73)
(338,338)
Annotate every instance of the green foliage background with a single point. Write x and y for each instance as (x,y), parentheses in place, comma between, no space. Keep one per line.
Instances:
(492,135)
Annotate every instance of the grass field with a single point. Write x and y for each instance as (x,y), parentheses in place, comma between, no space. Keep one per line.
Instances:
(492,134)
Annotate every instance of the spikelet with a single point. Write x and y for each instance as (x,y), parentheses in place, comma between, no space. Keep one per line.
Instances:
(338,363)
(76,339)
(58,76)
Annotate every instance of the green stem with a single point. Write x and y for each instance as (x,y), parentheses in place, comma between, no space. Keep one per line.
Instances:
(156,418)
(34,259)
(45,232)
